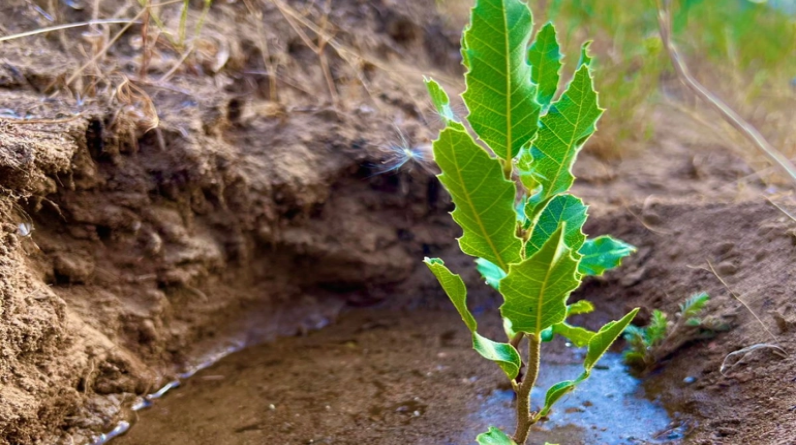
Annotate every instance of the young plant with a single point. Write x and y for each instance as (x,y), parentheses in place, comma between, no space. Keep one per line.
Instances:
(512,200)
(648,345)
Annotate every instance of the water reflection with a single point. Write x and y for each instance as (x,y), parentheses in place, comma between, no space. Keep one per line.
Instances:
(609,408)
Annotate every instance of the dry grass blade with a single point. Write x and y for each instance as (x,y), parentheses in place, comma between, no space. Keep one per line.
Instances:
(68,26)
(738,298)
(355,59)
(323,39)
(40,121)
(268,62)
(733,118)
(745,352)
(139,104)
(782,209)
(113,40)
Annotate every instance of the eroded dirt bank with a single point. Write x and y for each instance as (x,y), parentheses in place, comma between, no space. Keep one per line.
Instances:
(245,217)
(237,211)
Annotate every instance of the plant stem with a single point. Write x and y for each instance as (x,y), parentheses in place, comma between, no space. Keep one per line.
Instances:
(524,417)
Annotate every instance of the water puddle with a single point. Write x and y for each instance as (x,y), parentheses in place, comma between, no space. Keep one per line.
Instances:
(609,408)
(389,378)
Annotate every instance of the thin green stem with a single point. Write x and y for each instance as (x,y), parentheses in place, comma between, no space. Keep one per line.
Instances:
(524,417)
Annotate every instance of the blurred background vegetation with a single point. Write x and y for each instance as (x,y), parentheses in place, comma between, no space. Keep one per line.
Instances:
(742,50)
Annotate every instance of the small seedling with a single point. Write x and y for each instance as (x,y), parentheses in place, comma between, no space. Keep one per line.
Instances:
(512,200)
(648,345)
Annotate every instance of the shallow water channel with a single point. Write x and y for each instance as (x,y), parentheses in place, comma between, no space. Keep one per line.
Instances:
(391,377)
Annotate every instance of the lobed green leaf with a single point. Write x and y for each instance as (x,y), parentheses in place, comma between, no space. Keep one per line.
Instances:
(604,338)
(694,304)
(545,58)
(484,199)
(503,354)
(597,347)
(490,272)
(585,58)
(657,329)
(560,209)
(440,100)
(562,132)
(580,307)
(535,291)
(579,336)
(453,285)
(500,94)
(603,253)
(526,171)
(555,393)
(494,437)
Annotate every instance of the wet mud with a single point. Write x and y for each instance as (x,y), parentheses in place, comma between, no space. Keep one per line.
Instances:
(394,377)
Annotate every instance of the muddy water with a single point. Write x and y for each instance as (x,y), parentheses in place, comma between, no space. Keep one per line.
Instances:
(389,378)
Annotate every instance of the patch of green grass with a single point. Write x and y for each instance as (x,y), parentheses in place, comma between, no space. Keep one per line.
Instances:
(744,51)
(665,334)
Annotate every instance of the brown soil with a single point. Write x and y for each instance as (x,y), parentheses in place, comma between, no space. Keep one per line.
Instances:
(243,217)
(389,377)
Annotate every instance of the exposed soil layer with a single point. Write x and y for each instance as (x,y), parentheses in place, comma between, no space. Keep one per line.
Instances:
(148,245)
(252,212)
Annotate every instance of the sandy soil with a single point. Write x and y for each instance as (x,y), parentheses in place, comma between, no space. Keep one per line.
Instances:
(244,215)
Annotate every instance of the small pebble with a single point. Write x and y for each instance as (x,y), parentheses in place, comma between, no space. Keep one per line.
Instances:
(272,407)
(727,268)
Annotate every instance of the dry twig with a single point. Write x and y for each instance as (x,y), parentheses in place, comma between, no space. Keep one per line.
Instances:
(733,118)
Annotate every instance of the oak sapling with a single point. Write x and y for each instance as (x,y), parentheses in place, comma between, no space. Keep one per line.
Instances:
(513,202)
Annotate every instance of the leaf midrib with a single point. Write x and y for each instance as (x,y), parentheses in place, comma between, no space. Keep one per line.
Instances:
(509,148)
(542,291)
(478,219)
(571,139)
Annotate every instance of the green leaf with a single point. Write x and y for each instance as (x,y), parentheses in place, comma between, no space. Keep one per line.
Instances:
(484,199)
(656,331)
(494,437)
(490,272)
(603,253)
(504,354)
(580,307)
(535,291)
(585,58)
(604,338)
(579,336)
(636,337)
(693,322)
(598,345)
(694,304)
(500,94)
(440,100)
(562,132)
(455,288)
(555,393)
(547,335)
(526,170)
(545,58)
(562,208)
